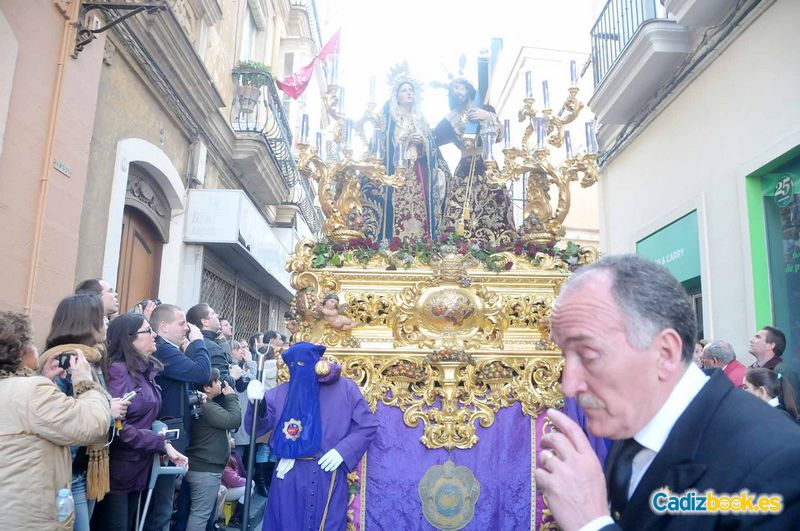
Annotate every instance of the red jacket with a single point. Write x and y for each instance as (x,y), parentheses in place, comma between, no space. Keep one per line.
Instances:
(735,371)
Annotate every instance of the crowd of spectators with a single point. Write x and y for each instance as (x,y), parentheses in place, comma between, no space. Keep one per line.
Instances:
(768,377)
(115,403)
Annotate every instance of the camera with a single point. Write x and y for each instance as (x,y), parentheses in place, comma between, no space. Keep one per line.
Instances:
(63,359)
(195,401)
(144,302)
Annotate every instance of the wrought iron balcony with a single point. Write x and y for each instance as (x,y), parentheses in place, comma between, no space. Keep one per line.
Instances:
(615,28)
(257,108)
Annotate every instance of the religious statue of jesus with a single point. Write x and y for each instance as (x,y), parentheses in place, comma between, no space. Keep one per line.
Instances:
(479,211)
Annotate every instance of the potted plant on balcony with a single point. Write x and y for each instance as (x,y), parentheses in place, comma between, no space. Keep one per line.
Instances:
(251,76)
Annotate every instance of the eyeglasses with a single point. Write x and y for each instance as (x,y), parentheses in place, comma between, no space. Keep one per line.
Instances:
(145,331)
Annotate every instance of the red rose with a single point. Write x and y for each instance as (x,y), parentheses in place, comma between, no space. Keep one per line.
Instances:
(508,265)
(394,244)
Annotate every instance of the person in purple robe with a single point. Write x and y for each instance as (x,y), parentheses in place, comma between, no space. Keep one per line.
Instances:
(321,427)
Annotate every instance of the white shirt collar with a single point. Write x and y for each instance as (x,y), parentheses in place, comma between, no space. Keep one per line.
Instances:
(655,432)
(774,401)
(170,342)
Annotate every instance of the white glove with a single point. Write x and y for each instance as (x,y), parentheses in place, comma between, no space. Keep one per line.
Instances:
(331,460)
(284,466)
(255,390)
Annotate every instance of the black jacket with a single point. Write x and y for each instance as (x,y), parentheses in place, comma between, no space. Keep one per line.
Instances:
(222,361)
(726,440)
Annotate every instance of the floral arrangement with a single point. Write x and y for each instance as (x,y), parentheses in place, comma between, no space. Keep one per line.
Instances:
(402,253)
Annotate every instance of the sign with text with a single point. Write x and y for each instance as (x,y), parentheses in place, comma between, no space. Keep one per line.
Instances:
(676,247)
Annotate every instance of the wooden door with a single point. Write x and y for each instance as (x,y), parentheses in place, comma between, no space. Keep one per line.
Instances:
(139,260)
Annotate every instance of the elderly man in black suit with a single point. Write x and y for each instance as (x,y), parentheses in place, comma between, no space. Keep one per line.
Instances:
(627,330)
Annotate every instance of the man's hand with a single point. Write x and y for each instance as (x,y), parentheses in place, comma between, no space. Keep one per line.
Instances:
(148,310)
(119,408)
(479,114)
(331,460)
(255,390)
(570,475)
(235,371)
(227,389)
(194,333)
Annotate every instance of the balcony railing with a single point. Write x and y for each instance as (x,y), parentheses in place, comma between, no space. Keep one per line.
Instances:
(259,110)
(615,28)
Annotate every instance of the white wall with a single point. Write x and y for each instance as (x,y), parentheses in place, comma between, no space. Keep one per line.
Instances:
(738,115)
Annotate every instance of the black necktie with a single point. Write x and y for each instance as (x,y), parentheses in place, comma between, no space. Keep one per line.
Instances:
(620,476)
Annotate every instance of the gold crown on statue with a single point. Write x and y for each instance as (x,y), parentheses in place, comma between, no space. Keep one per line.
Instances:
(399,74)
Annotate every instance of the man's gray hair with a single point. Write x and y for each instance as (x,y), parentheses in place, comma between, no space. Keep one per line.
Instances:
(650,298)
(722,350)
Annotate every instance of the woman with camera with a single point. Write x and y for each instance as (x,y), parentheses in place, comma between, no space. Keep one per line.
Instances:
(80,324)
(130,367)
(38,424)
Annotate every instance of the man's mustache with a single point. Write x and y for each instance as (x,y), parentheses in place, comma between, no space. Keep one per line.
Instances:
(588,401)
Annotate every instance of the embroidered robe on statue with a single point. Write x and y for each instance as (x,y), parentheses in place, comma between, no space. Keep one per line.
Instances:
(484,210)
(412,210)
(298,501)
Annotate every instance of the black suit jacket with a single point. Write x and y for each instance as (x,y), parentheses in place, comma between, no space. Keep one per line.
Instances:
(726,440)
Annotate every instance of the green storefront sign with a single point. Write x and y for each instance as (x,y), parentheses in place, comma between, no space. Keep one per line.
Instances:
(676,247)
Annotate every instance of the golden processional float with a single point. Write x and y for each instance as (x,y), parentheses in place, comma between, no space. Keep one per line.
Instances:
(445,332)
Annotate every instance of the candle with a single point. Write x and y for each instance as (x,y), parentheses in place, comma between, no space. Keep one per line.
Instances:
(341,100)
(333,65)
(488,144)
(568,144)
(540,133)
(348,131)
(528,85)
(573,74)
(304,129)
(319,143)
(591,140)
(506,134)
(545,95)
(375,145)
(372,89)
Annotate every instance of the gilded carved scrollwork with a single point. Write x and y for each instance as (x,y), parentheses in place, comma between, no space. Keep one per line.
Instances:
(449,345)
(529,311)
(450,399)
(371,309)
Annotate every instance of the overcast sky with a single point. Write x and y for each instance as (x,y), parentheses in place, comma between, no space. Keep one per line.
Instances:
(432,34)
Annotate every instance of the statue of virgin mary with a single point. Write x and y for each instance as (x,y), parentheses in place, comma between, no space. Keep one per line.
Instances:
(412,210)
